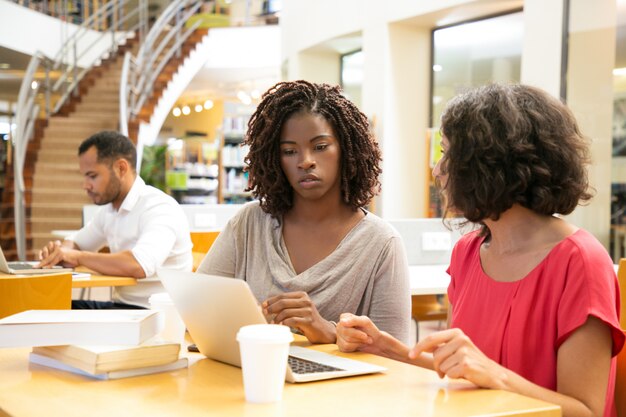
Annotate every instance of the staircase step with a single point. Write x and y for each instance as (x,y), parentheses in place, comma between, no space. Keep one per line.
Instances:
(51,168)
(47,225)
(99,106)
(56,210)
(54,181)
(70,146)
(74,123)
(58,156)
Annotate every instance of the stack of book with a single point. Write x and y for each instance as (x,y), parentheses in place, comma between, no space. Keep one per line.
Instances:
(103,344)
(111,362)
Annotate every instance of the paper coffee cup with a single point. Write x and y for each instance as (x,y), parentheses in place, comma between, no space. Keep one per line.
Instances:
(174,327)
(264,349)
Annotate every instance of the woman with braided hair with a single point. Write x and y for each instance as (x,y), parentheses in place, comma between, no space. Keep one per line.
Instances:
(308,248)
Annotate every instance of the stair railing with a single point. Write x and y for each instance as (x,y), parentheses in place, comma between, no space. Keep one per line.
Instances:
(122,20)
(139,72)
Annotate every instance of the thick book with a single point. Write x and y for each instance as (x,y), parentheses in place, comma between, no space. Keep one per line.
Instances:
(79,327)
(99,359)
(53,363)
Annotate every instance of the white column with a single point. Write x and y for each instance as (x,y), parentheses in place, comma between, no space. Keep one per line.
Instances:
(399,98)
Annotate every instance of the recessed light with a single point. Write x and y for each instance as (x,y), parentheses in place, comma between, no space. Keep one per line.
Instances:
(4,65)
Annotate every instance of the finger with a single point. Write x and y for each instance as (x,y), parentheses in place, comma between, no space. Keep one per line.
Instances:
(443,354)
(433,341)
(453,366)
(350,320)
(286,304)
(353,335)
(303,314)
(286,295)
(346,346)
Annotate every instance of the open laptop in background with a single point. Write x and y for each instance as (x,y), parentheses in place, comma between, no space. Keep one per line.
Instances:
(215,308)
(27,268)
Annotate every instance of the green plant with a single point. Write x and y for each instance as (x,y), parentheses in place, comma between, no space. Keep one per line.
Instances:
(153,166)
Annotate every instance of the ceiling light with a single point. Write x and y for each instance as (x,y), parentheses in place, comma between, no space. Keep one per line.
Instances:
(34,85)
(208,105)
(186,110)
(4,66)
(437,67)
(198,108)
(244,98)
(619,71)
(176,112)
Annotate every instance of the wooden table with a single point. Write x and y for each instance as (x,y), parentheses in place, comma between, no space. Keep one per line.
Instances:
(209,388)
(103,281)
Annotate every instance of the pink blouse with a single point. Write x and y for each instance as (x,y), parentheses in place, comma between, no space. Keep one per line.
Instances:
(522,324)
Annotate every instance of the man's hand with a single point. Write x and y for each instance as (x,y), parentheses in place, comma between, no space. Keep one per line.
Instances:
(295,309)
(55,253)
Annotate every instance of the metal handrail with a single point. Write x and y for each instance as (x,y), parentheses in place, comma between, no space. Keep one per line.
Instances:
(27,109)
(140,72)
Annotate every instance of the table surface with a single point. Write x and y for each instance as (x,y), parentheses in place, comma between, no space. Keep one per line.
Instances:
(210,388)
(96,280)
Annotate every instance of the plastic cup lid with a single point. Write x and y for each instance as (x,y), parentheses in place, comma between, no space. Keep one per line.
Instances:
(265,333)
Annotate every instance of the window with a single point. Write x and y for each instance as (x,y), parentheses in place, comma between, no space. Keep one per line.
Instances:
(475,53)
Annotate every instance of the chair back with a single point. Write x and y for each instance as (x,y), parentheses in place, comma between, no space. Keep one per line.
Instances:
(620,380)
(202,241)
(40,292)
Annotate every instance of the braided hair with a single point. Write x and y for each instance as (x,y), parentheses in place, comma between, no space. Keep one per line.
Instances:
(360,155)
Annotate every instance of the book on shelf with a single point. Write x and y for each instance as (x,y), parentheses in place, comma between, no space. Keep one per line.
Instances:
(79,327)
(124,373)
(100,359)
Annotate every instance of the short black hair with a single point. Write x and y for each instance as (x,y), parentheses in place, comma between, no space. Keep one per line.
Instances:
(110,145)
(360,154)
(513,144)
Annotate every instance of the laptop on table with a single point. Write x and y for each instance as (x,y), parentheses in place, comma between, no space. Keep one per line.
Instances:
(215,308)
(27,268)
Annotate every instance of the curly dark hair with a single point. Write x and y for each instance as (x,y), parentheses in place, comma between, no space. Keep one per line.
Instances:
(513,144)
(360,155)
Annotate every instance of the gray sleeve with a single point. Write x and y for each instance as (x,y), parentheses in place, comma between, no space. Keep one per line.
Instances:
(390,307)
(222,257)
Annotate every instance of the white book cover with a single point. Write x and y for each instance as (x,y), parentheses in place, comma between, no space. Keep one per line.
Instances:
(53,363)
(79,327)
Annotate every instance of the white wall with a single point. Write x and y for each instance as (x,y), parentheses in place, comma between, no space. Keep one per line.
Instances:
(28,32)
(396,89)
(395,40)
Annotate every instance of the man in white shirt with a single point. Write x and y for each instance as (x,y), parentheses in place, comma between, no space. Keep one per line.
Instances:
(143,227)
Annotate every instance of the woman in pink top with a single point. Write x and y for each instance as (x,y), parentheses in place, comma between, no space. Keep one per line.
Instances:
(533,299)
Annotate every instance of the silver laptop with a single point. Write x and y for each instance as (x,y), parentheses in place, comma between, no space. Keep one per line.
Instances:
(27,268)
(215,308)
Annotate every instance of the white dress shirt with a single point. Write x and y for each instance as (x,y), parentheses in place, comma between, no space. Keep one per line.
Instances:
(150,224)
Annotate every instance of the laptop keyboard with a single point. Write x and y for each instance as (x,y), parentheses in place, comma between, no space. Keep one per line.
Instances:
(303,366)
(20,265)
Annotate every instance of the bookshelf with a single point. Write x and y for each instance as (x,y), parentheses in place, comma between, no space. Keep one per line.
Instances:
(233,179)
(192,170)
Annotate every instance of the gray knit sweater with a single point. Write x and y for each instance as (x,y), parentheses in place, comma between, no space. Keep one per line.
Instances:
(367,274)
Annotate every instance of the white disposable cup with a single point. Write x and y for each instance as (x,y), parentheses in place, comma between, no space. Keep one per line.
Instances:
(264,349)
(173,325)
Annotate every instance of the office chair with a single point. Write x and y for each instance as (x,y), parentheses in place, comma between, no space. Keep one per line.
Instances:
(202,242)
(428,308)
(37,292)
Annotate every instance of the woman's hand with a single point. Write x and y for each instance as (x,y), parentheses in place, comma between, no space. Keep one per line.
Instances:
(295,309)
(358,333)
(456,356)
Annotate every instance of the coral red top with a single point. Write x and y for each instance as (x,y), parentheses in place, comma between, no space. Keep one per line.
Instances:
(522,324)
